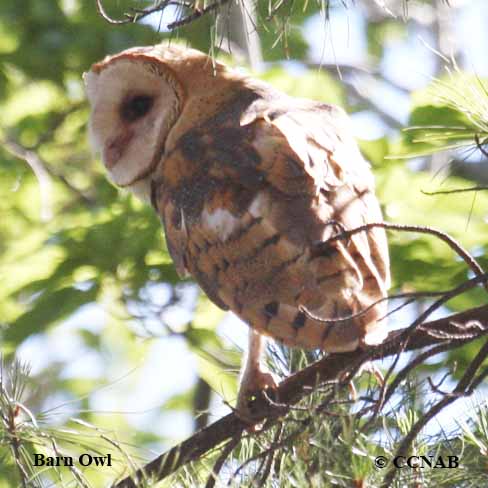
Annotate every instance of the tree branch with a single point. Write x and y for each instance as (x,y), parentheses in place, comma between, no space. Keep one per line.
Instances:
(452,331)
(43,172)
(137,14)
(455,190)
(39,169)
(419,229)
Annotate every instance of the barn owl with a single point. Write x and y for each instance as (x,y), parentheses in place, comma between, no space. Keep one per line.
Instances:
(248,182)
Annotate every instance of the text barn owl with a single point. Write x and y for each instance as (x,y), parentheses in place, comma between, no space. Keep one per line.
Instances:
(247,181)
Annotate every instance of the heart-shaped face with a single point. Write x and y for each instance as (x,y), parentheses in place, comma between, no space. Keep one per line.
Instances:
(135,102)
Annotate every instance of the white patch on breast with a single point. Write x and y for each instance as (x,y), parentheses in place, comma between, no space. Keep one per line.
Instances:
(183,222)
(220,221)
(258,205)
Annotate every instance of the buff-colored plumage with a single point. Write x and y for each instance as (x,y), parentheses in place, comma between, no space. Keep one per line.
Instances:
(247,182)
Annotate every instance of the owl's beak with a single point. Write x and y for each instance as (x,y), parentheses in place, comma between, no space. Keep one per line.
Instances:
(115,148)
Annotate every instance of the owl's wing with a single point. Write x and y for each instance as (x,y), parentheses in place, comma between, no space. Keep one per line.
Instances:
(248,199)
(309,148)
(320,184)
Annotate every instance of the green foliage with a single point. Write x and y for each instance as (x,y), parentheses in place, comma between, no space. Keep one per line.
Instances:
(423,262)
(279,28)
(450,113)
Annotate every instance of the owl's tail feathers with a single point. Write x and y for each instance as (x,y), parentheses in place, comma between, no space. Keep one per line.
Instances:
(339,325)
(372,311)
(360,321)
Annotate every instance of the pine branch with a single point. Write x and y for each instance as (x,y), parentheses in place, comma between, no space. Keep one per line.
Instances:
(197,9)
(137,14)
(451,332)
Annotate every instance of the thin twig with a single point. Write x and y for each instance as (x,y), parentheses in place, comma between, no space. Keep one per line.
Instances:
(40,171)
(107,18)
(197,14)
(480,144)
(44,173)
(401,376)
(452,243)
(139,14)
(276,444)
(456,190)
(271,456)
(410,295)
(15,444)
(228,448)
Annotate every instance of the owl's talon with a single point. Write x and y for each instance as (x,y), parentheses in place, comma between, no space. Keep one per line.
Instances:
(255,386)
(352,391)
(372,369)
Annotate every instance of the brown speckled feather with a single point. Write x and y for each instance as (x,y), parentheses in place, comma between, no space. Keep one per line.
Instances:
(247,194)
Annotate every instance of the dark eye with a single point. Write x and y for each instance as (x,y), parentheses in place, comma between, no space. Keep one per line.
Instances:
(136,107)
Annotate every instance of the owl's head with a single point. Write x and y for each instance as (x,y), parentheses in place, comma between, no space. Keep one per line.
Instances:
(135,100)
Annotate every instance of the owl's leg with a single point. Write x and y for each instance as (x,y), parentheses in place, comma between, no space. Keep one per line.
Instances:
(255,378)
(199,6)
(373,370)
